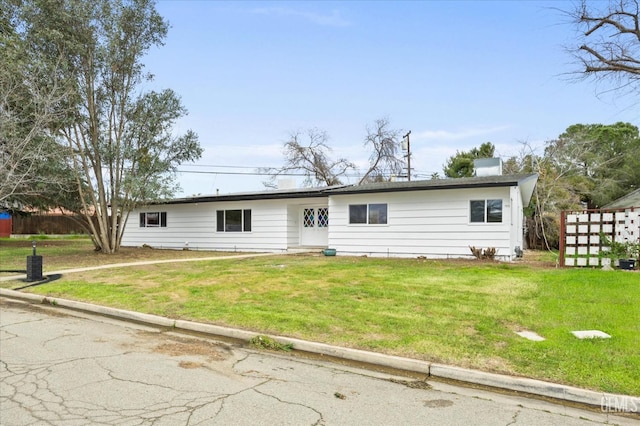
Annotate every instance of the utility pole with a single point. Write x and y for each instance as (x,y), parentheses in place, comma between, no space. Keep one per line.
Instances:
(406,146)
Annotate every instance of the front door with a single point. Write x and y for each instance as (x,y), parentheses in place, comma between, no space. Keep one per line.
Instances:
(314,226)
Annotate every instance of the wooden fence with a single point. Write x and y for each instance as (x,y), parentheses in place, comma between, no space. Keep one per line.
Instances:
(47,224)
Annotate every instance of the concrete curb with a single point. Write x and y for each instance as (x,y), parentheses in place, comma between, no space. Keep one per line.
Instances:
(517,384)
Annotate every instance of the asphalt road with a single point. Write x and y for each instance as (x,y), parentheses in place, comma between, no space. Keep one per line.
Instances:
(66,368)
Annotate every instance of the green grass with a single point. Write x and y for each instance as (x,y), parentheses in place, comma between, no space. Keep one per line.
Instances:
(455,312)
(14,251)
(77,251)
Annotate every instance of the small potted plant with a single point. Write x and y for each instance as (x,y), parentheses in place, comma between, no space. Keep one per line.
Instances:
(630,256)
(625,254)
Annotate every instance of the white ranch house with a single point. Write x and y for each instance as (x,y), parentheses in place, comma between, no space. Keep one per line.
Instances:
(432,218)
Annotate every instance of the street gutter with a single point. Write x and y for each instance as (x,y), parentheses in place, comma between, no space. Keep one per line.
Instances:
(521,385)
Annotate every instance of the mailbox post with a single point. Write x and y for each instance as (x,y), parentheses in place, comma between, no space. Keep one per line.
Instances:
(34,265)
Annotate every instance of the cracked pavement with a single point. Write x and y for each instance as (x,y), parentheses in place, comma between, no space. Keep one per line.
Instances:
(62,367)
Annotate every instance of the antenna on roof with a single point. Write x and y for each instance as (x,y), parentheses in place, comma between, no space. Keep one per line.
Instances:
(406,146)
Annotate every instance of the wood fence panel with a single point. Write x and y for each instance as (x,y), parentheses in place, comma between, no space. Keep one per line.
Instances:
(47,225)
(581,242)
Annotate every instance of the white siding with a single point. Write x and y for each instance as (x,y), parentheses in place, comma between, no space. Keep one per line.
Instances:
(185,224)
(517,219)
(431,223)
(274,226)
(293,226)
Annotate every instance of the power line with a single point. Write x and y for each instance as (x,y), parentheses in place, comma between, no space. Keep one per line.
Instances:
(238,173)
(414,172)
(215,172)
(223,166)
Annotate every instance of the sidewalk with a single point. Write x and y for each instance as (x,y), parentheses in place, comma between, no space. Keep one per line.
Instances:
(621,404)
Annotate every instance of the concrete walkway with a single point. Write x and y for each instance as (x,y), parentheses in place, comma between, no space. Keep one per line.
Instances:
(621,404)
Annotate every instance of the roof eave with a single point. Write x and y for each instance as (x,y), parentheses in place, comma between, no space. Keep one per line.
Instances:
(265,195)
(355,190)
(525,182)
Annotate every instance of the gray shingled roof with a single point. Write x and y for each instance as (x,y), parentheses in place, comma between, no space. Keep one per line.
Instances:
(418,185)
(257,195)
(421,185)
(632,199)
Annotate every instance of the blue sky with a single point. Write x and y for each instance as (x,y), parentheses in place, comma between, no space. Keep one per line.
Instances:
(455,73)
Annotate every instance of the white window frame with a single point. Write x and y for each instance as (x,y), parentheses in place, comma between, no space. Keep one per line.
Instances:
(485,211)
(368,213)
(162,220)
(246,218)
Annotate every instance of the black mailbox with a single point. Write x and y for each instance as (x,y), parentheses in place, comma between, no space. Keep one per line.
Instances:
(34,265)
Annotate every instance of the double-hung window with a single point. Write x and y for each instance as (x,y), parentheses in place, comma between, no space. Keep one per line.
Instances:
(153,219)
(485,211)
(233,220)
(372,214)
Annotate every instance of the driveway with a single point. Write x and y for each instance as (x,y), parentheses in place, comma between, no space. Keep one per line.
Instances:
(67,368)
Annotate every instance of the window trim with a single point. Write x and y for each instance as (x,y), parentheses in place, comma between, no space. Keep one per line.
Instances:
(245,220)
(322,219)
(486,216)
(144,220)
(367,214)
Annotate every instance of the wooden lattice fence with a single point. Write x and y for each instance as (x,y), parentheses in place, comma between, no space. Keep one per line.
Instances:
(581,232)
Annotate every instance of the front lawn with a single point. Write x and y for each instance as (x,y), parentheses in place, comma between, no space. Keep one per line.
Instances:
(455,312)
(78,251)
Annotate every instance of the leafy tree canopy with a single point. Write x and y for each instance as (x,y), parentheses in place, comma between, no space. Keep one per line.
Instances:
(461,164)
(602,162)
(33,170)
(588,164)
(117,137)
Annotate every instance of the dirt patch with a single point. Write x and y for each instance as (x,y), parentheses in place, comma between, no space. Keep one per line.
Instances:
(190,364)
(497,365)
(413,384)
(438,403)
(26,242)
(43,308)
(174,345)
(213,351)
(542,259)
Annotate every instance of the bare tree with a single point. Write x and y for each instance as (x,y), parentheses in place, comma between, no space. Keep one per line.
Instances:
(609,47)
(555,190)
(309,154)
(384,143)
